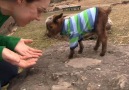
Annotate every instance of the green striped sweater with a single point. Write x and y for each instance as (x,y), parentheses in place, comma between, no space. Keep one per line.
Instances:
(79,24)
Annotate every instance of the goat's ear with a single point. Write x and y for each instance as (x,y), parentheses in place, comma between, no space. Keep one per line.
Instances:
(57,17)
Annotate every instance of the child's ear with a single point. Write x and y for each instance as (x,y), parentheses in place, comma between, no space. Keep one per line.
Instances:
(57,17)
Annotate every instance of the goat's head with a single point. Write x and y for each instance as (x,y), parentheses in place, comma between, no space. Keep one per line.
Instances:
(54,24)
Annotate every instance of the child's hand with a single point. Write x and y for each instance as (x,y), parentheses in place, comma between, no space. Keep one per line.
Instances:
(16,59)
(27,51)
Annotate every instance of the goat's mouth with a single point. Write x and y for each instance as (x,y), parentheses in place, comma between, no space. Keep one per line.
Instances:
(49,35)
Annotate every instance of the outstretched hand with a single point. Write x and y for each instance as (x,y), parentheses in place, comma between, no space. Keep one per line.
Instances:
(16,59)
(24,56)
(27,51)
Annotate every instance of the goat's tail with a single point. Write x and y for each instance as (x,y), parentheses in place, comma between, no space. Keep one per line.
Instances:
(108,11)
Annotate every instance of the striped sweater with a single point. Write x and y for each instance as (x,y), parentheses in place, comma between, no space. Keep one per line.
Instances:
(79,24)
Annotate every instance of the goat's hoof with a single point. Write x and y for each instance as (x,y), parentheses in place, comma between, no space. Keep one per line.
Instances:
(102,54)
(95,48)
(70,57)
(80,51)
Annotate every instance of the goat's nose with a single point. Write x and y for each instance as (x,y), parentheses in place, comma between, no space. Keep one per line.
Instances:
(48,35)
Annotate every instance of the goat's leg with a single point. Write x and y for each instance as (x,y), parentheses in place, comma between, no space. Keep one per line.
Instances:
(71,53)
(104,43)
(98,32)
(97,44)
(102,38)
(81,46)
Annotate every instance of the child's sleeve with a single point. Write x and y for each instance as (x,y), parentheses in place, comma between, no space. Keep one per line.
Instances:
(1,49)
(9,42)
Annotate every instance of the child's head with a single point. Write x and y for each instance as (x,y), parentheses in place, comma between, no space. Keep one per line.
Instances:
(23,11)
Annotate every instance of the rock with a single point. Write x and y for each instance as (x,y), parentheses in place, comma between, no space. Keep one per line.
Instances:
(120,82)
(93,86)
(83,62)
(62,86)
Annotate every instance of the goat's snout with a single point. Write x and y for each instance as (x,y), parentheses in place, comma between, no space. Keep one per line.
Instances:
(48,35)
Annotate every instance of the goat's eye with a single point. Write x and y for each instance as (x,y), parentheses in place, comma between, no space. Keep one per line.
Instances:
(50,27)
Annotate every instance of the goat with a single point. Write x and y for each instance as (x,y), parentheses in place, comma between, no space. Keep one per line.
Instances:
(90,21)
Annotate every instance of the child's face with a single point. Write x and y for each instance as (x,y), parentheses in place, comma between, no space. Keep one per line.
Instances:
(27,12)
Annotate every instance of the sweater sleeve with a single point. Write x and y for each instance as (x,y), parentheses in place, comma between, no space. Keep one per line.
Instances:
(9,42)
(1,49)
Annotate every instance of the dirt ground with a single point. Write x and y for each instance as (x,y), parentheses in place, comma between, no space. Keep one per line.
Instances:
(86,71)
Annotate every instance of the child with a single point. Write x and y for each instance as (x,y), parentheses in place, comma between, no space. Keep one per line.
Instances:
(14,52)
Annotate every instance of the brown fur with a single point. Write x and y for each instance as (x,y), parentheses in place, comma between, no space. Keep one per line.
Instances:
(54,27)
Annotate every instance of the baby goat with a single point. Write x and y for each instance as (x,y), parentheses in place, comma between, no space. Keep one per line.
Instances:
(90,21)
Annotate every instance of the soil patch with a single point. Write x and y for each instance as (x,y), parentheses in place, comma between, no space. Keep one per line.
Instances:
(87,71)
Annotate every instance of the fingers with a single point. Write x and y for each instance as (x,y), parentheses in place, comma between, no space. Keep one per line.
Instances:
(26,57)
(31,54)
(35,50)
(30,63)
(26,41)
(26,50)
(27,63)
